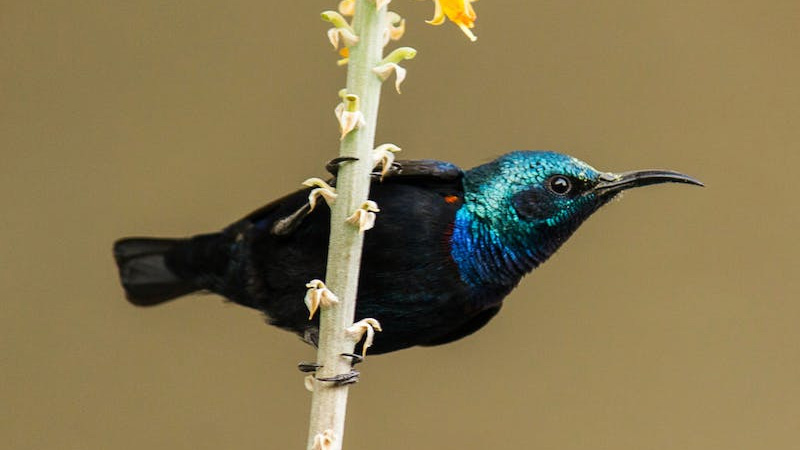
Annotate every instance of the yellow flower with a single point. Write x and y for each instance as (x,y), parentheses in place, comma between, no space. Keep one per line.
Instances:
(347,7)
(459,12)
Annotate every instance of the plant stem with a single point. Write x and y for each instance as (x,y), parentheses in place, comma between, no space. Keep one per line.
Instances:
(329,402)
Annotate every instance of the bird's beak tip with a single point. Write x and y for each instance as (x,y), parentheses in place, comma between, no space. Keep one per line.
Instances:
(615,182)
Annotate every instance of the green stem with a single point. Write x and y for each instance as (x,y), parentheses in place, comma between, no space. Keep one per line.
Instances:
(329,403)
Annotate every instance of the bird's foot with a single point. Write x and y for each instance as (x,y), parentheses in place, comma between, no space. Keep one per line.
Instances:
(339,380)
(343,378)
(308,367)
(355,358)
(385,166)
(333,165)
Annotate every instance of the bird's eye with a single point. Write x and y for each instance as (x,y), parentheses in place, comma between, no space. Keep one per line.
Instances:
(559,184)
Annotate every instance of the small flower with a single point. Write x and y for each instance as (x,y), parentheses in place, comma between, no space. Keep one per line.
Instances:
(344,52)
(308,382)
(383,155)
(397,26)
(385,70)
(324,440)
(459,12)
(341,29)
(358,329)
(348,114)
(347,36)
(321,189)
(364,217)
(399,54)
(390,65)
(318,294)
(347,7)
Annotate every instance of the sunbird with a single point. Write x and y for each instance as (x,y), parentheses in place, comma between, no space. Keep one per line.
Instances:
(447,247)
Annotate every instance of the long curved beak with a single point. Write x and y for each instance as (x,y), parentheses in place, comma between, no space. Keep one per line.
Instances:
(616,182)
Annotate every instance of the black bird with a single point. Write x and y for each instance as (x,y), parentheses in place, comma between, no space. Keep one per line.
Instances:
(447,247)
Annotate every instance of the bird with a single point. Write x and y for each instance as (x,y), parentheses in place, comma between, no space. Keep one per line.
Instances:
(447,248)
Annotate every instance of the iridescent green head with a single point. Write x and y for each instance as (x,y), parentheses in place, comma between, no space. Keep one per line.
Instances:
(522,206)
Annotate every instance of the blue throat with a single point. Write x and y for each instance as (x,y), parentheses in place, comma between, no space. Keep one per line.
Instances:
(487,259)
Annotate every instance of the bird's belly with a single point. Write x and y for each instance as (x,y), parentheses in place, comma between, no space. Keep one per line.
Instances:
(414,307)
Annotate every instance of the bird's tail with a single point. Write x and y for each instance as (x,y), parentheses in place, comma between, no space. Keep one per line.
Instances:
(155,270)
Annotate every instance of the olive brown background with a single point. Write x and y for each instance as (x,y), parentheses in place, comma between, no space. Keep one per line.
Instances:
(670,320)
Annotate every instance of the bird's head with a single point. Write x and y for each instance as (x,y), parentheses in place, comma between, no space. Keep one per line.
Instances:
(530,202)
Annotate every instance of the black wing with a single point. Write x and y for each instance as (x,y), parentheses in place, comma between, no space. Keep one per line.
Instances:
(440,176)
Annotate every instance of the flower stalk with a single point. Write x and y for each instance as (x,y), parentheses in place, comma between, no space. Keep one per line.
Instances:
(329,400)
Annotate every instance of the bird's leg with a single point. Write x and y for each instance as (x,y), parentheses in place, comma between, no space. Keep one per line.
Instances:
(343,378)
(333,165)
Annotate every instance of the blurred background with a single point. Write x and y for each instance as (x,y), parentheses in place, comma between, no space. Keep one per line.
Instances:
(670,320)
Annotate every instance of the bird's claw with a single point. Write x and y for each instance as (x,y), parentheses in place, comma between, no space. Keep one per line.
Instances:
(346,378)
(382,170)
(308,367)
(354,357)
(343,378)
(333,165)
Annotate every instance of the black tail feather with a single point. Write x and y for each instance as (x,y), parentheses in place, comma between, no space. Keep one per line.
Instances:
(144,271)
